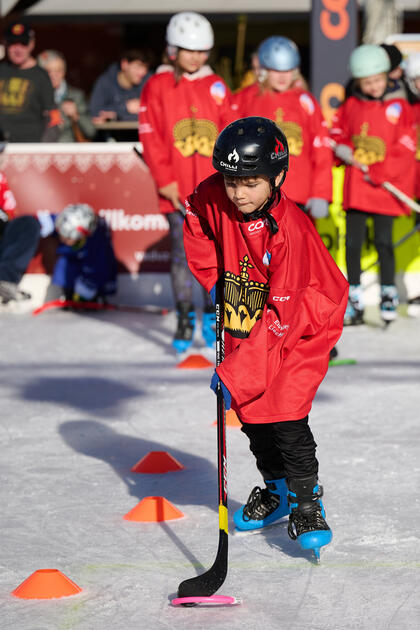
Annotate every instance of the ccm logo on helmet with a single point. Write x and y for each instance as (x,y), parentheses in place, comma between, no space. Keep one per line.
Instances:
(258,225)
(283,298)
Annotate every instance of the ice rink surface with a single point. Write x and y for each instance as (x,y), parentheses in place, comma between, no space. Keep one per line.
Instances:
(85,397)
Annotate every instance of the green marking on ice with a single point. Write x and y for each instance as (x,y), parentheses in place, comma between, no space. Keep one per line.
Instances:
(334,362)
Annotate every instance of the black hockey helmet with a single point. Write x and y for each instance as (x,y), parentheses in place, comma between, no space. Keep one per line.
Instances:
(251,146)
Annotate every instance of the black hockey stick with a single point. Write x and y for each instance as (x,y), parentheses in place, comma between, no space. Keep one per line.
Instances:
(209,582)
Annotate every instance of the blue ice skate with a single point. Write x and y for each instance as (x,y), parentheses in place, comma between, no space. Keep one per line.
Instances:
(389,302)
(209,327)
(263,507)
(355,306)
(307,522)
(184,334)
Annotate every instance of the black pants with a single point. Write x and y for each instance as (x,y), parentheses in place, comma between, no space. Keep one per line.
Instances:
(283,449)
(17,246)
(355,235)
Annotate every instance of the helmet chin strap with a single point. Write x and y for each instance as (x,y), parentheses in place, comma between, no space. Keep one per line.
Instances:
(264,211)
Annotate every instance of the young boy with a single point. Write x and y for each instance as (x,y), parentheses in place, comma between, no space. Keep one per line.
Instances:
(183,108)
(86,268)
(284,302)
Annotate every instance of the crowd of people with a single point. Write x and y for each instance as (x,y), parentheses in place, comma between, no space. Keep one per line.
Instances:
(182,107)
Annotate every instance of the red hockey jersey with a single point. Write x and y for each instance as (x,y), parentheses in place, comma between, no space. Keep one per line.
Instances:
(284,301)
(382,136)
(7,198)
(179,124)
(299,116)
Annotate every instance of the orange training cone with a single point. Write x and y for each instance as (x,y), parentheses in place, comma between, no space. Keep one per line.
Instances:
(195,362)
(153,509)
(46,584)
(231,420)
(157,462)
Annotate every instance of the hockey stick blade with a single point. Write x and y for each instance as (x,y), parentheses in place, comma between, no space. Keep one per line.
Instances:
(209,582)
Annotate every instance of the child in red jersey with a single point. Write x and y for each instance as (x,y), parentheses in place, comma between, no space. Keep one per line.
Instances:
(279,95)
(284,301)
(182,109)
(374,131)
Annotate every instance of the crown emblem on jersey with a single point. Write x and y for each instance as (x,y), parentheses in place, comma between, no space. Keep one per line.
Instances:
(244,300)
(292,131)
(418,143)
(195,135)
(368,149)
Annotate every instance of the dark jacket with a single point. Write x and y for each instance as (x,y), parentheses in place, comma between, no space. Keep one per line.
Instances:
(108,95)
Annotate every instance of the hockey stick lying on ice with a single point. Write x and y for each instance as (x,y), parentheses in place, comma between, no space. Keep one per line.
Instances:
(396,192)
(202,587)
(96,306)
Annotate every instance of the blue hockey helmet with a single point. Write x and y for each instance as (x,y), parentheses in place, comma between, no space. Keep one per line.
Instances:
(278,53)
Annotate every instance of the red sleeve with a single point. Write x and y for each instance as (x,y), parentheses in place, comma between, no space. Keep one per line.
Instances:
(7,198)
(399,165)
(339,131)
(322,156)
(228,109)
(203,252)
(152,133)
(303,316)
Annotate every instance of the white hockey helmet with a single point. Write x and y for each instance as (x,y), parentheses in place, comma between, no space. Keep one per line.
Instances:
(76,221)
(190,31)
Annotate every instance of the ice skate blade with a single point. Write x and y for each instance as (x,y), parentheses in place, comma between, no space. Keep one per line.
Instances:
(213,600)
(389,316)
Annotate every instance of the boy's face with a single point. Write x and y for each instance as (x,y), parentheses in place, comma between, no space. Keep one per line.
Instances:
(134,71)
(191,61)
(248,193)
(374,85)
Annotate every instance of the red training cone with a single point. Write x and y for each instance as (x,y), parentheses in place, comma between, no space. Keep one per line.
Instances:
(195,362)
(153,509)
(46,584)
(157,462)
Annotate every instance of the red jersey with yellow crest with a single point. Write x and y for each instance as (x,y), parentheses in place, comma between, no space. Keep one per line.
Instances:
(382,136)
(299,116)
(416,109)
(179,123)
(284,301)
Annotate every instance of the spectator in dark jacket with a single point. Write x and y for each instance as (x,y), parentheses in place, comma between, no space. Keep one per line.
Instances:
(116,93)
